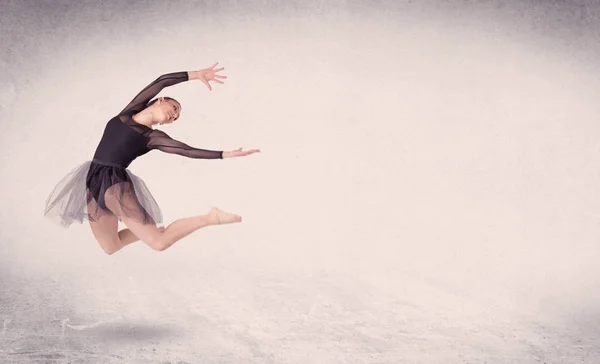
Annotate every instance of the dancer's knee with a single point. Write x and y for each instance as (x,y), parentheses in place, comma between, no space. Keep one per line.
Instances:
(109,251)
(150,234)
(109,246)
(159,246)
(157,241)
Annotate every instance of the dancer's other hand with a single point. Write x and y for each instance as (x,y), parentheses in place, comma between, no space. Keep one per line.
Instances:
(207,74)
(239,153)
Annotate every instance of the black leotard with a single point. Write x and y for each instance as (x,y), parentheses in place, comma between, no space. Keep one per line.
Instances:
(124,139)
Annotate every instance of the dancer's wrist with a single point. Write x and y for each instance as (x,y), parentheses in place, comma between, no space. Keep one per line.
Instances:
(192,75)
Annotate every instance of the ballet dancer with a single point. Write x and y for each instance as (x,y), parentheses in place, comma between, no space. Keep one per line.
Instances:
(104,191)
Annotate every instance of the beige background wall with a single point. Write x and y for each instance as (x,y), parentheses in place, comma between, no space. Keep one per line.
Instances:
(427,188)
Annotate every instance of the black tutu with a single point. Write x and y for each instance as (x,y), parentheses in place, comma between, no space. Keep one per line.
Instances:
(81,195)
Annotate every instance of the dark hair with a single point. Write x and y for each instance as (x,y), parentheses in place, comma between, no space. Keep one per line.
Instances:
(166,98)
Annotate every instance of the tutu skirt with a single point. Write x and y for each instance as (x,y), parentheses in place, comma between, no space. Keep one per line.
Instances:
(95,189)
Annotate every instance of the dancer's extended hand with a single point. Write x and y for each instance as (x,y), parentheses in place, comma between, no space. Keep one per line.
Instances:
(239,153)
(209,74)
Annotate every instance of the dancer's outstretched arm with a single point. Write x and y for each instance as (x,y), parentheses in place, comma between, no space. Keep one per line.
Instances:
(140,101)
(205,75)
(160,140)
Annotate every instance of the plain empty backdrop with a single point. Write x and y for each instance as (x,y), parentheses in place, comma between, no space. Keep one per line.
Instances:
(428,189)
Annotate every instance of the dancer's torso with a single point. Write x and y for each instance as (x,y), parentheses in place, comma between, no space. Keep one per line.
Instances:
(122,142)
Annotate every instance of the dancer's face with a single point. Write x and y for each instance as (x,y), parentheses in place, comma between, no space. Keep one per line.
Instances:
(166,111)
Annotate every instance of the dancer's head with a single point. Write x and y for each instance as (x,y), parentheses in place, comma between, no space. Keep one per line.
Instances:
(165,110)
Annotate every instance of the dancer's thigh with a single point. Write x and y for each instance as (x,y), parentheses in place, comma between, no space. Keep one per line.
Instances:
(121,200)
(105,228)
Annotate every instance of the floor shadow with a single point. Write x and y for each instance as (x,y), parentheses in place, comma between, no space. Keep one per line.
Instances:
(128,332)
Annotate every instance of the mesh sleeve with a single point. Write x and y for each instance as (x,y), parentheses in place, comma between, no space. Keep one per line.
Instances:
(141,99)
(163,142)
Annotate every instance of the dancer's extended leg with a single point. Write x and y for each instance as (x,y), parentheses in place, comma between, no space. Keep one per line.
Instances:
(161,240)
(155,237)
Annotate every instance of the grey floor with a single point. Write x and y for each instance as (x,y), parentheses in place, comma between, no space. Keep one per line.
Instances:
(427,190)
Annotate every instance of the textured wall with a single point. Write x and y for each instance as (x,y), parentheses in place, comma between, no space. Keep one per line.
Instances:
(427,189)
